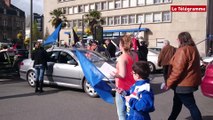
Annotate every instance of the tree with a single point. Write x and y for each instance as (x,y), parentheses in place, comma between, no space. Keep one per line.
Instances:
(58,18)
(93,19)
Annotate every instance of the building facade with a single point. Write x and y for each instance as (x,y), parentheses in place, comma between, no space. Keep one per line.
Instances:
(12,21)
(155,16)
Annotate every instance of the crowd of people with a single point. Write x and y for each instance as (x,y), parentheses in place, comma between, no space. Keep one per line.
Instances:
(134,97)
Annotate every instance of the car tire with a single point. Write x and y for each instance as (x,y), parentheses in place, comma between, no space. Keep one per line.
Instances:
(89,90)
(151,67)
(31,78)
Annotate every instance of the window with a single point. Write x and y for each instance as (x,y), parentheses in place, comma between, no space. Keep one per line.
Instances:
(140,18)
(111,4)
(79,23)
(5,11)
(166,16)
(70,24)
(65,58)
(80,8)
(105,20)
(75,9)
(124,19)
(141,2)
(104,6)
(5,23)
(86,8)
(53,56)
(157,17)
(117,20)
(117,4)
(75,23)
(98,6)
(92,6)
(18,13)
(70,10)
(125,3)
(131,19)
(133,3)
(110,21)
(64,10)
(148,18)
(167,1)
(157,1)
(149,2)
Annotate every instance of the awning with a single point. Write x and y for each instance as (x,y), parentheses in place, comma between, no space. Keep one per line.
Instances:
(127,30)
(119,30)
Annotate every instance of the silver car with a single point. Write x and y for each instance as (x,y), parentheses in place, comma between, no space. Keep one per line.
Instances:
(64,69)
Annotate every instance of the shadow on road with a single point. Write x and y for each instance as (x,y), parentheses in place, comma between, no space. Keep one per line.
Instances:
(204,118)
(29,94)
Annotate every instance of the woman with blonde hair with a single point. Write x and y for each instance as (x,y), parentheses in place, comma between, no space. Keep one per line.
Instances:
(123,77)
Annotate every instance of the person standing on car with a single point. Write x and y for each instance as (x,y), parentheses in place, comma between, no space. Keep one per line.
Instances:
(164,57)
(40,57)
(185,77)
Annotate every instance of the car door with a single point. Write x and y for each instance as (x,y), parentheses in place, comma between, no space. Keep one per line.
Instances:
(52,59)
(5,62)
(67,70)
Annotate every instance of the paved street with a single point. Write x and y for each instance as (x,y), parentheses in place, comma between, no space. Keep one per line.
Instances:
(19,102)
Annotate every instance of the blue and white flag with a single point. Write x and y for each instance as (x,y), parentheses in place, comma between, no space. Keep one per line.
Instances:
(94,76)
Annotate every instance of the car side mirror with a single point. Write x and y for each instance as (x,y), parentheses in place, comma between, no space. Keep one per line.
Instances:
(72,62)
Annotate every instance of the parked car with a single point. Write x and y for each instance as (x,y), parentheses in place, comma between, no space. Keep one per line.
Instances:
(158,49)
(204,61)
(64,69)
(152,59)
(5,61)
(207,82)
(20,55)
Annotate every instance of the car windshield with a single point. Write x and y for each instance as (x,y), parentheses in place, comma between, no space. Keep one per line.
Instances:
(93,56)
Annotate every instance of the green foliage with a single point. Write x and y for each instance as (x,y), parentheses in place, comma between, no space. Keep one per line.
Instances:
(93,19)
(57,18)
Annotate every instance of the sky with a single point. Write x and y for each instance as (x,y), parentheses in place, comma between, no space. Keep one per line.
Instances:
(25,5)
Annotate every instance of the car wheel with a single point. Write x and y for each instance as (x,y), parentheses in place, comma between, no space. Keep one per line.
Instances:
(31,78)
(151,67)
(89,89)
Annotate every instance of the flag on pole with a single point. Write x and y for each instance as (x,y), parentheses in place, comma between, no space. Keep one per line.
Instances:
(74,37)
(94,76)
(53,37)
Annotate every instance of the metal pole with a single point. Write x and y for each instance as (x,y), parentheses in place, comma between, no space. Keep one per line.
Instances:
(31,28)
(82,34)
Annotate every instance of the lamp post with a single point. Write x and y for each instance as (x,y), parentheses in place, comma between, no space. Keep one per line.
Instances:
(31,28)
(82,33)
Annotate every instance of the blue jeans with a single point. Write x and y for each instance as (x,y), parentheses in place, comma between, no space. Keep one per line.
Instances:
(120,104)
(39,73)
(188,101)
